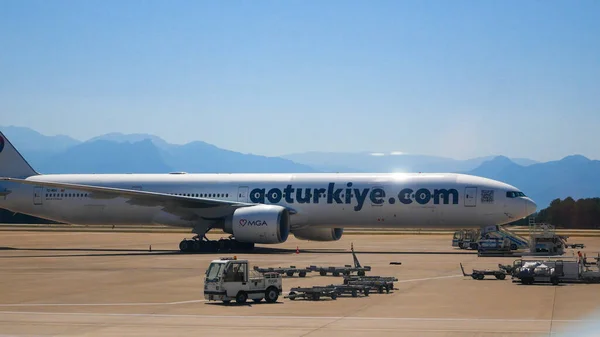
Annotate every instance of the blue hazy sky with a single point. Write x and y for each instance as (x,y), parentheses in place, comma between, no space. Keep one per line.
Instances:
(451,78)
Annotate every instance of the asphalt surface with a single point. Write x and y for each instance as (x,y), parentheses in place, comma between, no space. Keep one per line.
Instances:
(138,284)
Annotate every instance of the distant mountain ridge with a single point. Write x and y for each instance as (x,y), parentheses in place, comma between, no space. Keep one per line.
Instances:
(137,153)
(575,176)
(392,162)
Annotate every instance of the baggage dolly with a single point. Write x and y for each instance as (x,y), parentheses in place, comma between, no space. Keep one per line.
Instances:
(345,270)
(283,270)
(353,290)
(374,282)
(479,274)
(313,293)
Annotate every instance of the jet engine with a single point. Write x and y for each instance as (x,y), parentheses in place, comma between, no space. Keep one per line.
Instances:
(319,234)
(259,224)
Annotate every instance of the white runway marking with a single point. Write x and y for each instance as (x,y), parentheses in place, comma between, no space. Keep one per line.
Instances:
(356,318)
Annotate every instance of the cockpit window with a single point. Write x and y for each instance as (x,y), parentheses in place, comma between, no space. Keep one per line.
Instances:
(514,194)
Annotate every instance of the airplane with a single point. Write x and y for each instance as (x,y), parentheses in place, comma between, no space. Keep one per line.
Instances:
(259,208)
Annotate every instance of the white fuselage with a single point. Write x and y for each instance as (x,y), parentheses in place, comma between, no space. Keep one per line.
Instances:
(320,200)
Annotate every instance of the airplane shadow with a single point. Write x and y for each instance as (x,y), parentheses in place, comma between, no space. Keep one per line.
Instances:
(257,251)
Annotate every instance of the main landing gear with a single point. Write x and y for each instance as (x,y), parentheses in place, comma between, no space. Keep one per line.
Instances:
(203,245)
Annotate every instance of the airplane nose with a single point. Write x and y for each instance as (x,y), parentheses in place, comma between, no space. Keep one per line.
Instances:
(530,206)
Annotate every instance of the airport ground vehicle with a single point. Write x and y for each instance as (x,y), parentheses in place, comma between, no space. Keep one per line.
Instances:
(557,269)
(497,240)
(465,238)
(541,271)
(229,278)
(479,274)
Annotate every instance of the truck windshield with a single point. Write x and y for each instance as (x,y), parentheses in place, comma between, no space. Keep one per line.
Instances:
(214,270)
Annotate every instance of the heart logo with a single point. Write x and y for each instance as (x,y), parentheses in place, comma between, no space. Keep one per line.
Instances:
(243,222)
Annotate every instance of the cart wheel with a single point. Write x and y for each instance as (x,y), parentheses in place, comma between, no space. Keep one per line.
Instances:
(241,298)
(366,292)
(480,277)
(500,276)
(554,281)
(380,289)
(290,273)
(361,273)
(271,295)
(354,293)
(302,274)
(474,276)
(323,273)
(335,273)
(292,295)
(333,296)
(316,297)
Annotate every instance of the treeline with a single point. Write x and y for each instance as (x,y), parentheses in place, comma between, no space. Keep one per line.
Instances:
(568,213)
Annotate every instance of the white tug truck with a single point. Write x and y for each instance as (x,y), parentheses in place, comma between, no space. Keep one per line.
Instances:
(230,278)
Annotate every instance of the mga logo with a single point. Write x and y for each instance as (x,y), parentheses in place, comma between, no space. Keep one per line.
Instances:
(244,222)
(1,143)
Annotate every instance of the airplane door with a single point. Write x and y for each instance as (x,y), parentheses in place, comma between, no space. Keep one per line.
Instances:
(37,195)
(470,196)
(243,194)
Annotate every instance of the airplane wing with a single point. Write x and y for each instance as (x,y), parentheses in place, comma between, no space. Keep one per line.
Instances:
(188,208)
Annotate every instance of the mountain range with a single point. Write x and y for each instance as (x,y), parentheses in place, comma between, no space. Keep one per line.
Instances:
(575,176)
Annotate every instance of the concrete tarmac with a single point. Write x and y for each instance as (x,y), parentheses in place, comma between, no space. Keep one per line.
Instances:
(111,284)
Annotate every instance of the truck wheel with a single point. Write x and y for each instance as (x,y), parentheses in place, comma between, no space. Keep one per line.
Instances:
(335,273)
(500,276)
(323,273)
(361,273)
(302,274)
(271,295)
(241,298)
(354,293)
(290,273)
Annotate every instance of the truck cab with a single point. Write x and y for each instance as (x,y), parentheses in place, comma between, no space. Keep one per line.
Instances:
(229,278)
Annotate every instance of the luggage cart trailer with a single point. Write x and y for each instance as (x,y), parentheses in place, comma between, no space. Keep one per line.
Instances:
(312,293)
(284,270)
(479,274)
